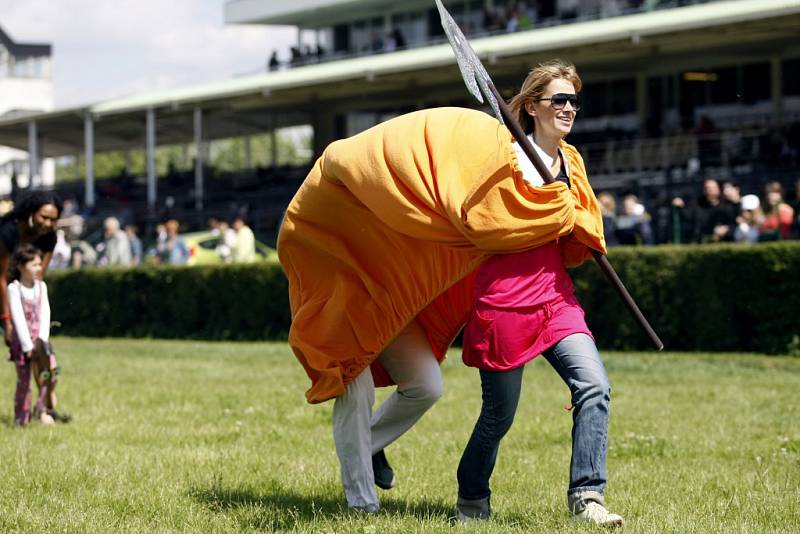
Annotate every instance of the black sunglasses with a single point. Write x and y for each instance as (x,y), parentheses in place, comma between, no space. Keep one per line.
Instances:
(559,100)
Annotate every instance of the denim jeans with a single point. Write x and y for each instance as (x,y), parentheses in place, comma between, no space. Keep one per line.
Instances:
(576,360)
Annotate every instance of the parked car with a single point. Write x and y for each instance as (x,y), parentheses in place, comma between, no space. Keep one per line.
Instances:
(203,249)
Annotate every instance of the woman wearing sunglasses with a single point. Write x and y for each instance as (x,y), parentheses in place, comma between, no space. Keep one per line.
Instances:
(525,306)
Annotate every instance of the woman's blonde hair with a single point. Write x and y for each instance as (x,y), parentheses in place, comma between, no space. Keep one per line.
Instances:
(534,85)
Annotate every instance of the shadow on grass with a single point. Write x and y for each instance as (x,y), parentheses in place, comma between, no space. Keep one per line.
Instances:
(7,420)
(274,507)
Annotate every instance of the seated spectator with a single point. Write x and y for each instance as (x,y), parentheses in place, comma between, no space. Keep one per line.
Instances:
(732,193)
(778,215)
(115,248)
(173,248)
(713,219)
(399,39)
(62,253)
(244,250)
(513,21)
(136,244)
(749,220)
(608,208)
(633,225)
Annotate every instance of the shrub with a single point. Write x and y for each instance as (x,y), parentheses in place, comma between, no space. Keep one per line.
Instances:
(709,297)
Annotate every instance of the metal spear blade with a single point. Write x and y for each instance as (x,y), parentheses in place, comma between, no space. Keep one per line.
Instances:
(475,76)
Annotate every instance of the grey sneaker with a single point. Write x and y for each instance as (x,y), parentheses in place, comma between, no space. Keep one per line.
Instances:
(597,514)
(468,510)
(366,509)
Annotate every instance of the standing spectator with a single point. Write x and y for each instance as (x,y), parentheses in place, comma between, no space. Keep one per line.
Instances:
(159,251)
(273,61)
(136,244)
(778,215)
(62,253)
(174,249)
(714,219)
(33,220)
(513,21)
(671,221)
(796,207)
(244,250)
(749,220)
(732,192)
(633,225)
(608,208)
(116,248)
(30,313)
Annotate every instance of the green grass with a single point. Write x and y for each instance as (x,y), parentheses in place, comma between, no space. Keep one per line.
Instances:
(217,437)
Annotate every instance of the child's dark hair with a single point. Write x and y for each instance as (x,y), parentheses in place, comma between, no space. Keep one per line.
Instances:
(24,253)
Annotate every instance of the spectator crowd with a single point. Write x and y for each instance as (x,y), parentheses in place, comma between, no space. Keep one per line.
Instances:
(120,245)
(721,213)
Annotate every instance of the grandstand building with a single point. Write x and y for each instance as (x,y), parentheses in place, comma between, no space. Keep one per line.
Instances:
(674,91)
(26,88)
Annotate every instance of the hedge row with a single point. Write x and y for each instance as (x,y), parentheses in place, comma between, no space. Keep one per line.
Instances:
(738,298)
(225,303)
(701,297)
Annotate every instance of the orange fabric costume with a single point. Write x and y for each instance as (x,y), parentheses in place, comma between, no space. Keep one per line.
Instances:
(390,223)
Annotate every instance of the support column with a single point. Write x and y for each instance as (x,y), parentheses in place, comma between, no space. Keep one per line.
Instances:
(641,103)
(324,124)
(88,147)
(776,71)
(199,159)
(150,157)
(248,153)
(273,140)
(33,154)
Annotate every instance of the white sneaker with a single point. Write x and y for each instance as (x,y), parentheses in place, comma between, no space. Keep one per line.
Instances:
(46,419)
(597,514)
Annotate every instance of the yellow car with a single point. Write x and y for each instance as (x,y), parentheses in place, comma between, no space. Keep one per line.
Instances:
(205,248)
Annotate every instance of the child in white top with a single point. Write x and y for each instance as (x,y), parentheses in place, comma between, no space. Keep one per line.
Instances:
(30,314)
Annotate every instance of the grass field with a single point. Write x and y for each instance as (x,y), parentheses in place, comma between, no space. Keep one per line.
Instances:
(217,437)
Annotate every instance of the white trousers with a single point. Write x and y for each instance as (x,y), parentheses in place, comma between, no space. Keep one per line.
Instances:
(358,433)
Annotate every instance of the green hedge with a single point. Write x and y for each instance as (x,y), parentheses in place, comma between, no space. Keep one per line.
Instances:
(701,297)
(727,297)
(225,302)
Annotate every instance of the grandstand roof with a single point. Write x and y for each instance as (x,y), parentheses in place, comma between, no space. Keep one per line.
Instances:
(248,104)
(312,13)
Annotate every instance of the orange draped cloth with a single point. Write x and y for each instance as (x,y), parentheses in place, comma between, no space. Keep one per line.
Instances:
(390,224)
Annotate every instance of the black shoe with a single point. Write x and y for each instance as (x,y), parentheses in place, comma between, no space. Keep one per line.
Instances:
(60,417)
(384,476)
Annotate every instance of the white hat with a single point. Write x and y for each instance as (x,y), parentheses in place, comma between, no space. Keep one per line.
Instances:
(750,202)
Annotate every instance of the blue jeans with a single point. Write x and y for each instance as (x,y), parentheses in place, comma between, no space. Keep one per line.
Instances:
(576,360)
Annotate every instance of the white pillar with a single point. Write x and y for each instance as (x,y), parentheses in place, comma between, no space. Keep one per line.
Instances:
(248,153)
(151,159)
(88,147)
(33,154)
(273,141)
(198,161)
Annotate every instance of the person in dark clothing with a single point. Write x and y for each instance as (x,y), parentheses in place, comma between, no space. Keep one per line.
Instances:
(714,218)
